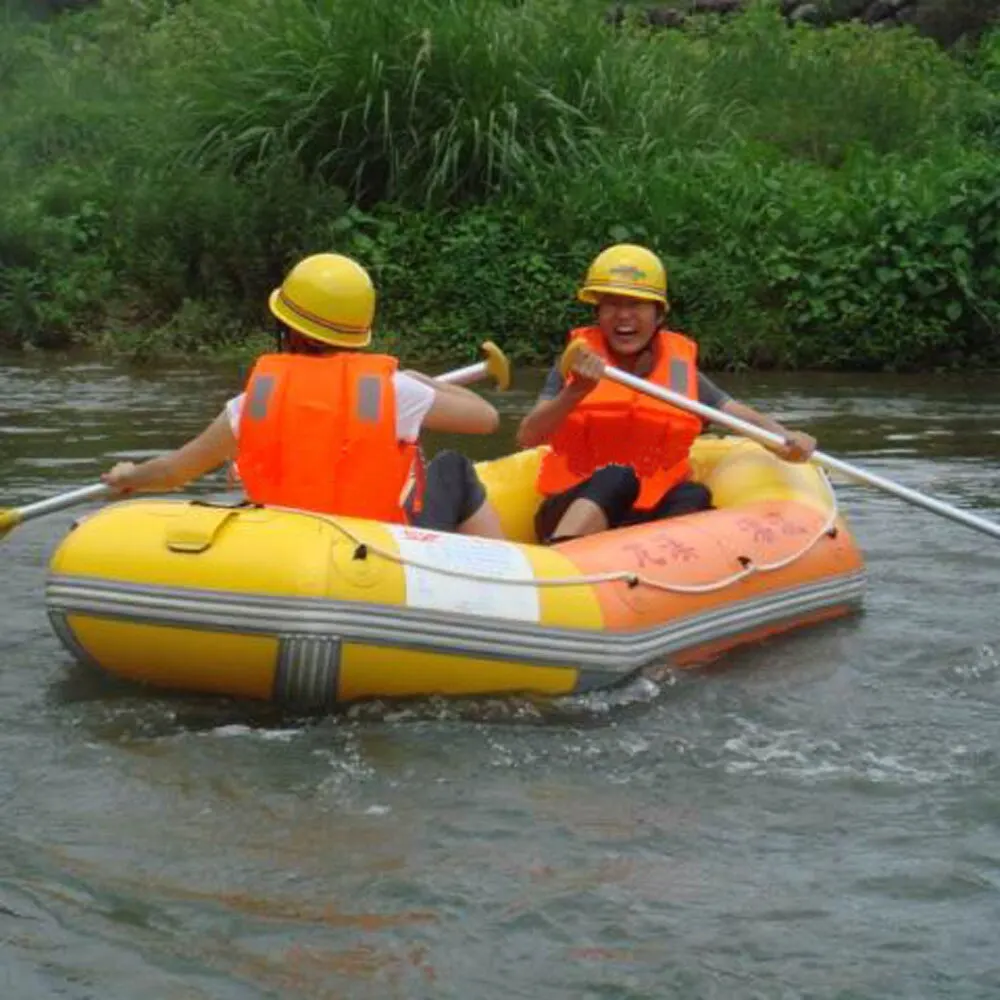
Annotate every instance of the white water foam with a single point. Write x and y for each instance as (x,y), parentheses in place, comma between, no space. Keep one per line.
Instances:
(272,735)
(984,667)
(795,754)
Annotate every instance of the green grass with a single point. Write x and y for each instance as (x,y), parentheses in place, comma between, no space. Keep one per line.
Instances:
(822,198)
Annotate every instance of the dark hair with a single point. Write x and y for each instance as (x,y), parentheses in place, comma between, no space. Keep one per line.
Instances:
(290,341)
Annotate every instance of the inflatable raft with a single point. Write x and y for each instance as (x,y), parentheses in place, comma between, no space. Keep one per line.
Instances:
(311,610)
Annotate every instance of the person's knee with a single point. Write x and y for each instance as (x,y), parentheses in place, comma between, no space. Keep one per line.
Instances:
(688,498)
(449,466)
(452,474)
(619,481)
(698,496)
(615,489)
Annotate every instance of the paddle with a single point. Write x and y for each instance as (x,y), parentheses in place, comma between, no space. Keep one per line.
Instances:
(10,519)
(764,437)
(495,366)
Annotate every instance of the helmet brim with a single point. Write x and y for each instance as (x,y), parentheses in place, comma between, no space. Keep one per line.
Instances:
(312,327)
(591,294)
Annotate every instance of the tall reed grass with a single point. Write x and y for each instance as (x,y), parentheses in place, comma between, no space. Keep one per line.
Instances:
(168,161)
(437,100)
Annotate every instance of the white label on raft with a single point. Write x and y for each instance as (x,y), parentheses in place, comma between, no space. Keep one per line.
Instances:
(460,554)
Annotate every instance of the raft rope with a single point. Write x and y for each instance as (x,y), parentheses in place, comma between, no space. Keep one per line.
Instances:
(748,566)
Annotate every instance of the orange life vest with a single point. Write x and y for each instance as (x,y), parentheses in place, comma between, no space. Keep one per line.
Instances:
(319,434)
(616,425)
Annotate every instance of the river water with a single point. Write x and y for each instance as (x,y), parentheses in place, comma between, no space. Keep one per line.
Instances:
(817,817)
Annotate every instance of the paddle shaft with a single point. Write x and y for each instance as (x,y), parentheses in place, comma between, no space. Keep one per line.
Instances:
(466,375)
(63,500)
(495,366)
(826,461)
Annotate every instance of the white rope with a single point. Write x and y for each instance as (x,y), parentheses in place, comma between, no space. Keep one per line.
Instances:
(623,576)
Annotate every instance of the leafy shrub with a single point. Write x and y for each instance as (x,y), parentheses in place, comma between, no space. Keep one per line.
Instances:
(821,198)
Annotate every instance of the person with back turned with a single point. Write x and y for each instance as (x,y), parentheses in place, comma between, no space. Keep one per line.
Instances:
(325,426)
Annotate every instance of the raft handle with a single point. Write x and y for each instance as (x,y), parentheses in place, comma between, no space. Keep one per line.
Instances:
(198,528)
(226,504)
(361,552)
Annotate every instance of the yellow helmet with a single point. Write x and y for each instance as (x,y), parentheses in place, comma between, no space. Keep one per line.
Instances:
(628,270)
(327,297)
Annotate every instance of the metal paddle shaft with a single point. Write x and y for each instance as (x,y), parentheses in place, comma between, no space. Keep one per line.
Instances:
(10,519)
(826,461)
(463,376)
(496,366)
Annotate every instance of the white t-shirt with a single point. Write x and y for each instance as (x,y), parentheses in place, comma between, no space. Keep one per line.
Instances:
(413,400)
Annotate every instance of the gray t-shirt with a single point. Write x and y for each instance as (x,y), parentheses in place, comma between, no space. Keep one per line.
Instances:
(708,392)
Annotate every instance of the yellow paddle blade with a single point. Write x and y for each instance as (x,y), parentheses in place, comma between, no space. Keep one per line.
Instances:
(9,520)
(569,356)
(497,365)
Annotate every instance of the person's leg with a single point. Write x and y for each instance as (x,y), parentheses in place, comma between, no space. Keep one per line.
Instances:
(455,500)
(484,522)
(685,498)
(551,510)
(596,504)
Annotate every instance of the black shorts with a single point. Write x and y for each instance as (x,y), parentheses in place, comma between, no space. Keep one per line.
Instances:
(452,493)
(615,489)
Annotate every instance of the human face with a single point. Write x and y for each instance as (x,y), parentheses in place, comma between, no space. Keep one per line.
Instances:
(628,324)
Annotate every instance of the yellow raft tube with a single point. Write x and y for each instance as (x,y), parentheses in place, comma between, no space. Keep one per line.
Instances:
(311,610)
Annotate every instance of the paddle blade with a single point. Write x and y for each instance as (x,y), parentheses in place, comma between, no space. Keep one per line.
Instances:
(9,520)
(569,356)
(497,365)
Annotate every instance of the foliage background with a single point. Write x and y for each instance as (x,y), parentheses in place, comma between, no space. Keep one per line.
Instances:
(822,198)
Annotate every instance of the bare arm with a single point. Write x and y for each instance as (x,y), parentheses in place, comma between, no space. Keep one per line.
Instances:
(215,445)
(547,415)
(799,445)
(457,410)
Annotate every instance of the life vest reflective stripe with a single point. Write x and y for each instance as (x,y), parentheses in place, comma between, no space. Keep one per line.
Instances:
(319,434)
(616,425)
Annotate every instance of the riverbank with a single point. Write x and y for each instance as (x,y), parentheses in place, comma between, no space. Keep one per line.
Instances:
(822,199)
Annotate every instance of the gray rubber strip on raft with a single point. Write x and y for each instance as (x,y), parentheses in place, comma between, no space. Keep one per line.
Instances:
(614,653)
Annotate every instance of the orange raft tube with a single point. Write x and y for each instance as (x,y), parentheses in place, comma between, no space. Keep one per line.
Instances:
(311,610)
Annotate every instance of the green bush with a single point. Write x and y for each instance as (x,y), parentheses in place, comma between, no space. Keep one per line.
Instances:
(441,100)
(821,198)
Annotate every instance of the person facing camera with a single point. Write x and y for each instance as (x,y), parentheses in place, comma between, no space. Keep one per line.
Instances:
(617,456)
